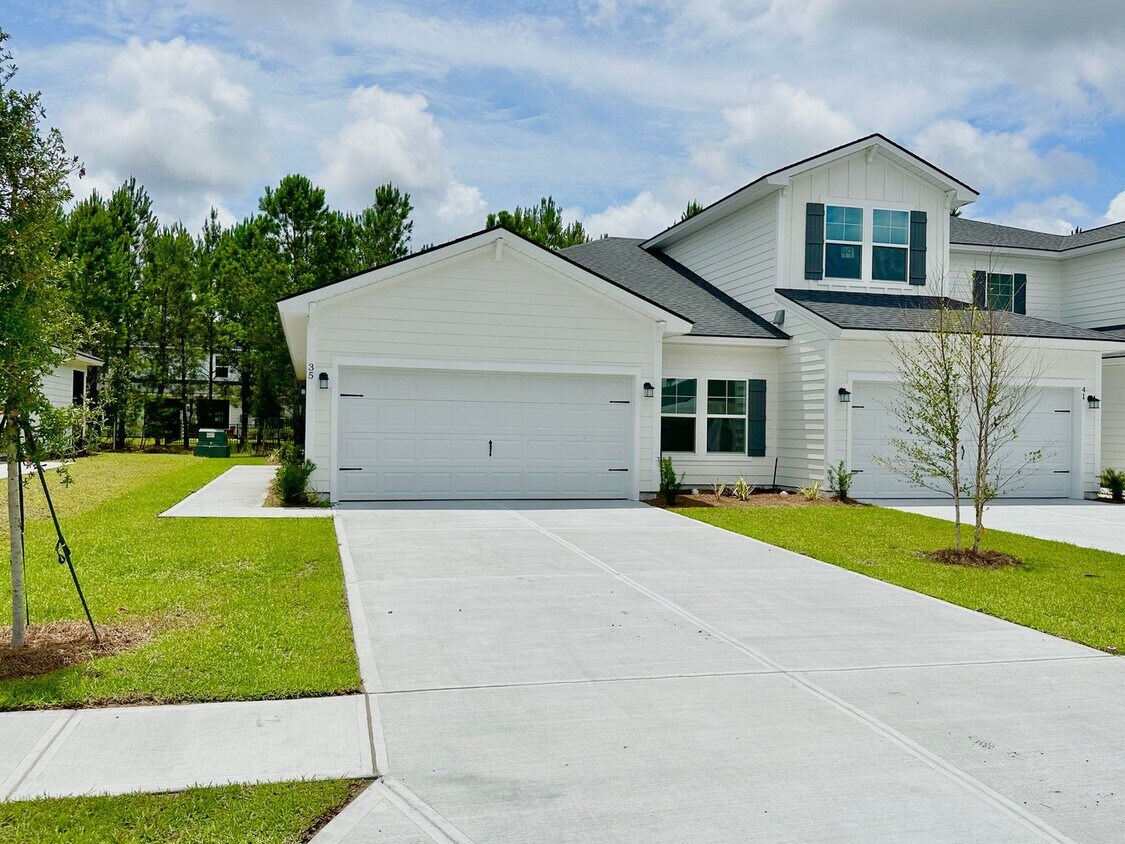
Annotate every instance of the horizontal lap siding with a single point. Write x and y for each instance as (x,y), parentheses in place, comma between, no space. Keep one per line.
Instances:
(1043,278)
(732,362)
(1093,289)
(737,254)
(58,386)
(477,309)
(1113,413)
(801,405)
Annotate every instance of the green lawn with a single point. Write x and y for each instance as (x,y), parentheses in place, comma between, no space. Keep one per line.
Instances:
(282,812)
(1073,592)
(242,608)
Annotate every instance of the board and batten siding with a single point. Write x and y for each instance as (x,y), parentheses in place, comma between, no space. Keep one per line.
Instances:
(737,254)
(883,180)
(477,310)
(801,388)
(875,360)
(1044,287)
(683,360)
(1093,288)
(1113,413)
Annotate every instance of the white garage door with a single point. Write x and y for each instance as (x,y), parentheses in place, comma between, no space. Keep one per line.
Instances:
(430,434)
(1049,428)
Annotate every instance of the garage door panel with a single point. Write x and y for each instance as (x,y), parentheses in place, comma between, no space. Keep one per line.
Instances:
(1048,428)
(427,434)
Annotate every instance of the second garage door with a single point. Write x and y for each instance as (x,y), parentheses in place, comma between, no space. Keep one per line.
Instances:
(436,434)
(1049,427)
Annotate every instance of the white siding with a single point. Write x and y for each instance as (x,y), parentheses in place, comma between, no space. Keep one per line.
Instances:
(475,309)
(882,180)
(867,360)
(1043,278)
(1113,413)
(801,403)
(58,386)
(734,363)
(1093,289)
(737,254)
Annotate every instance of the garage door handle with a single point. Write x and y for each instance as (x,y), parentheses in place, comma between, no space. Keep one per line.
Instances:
(490,448)
(351,469)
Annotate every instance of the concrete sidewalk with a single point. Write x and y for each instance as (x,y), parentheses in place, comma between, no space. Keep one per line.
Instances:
(1089,524)
(240,493)
(24,470)
(63,753)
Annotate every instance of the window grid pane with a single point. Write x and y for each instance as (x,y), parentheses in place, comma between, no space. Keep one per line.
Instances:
(727,435)
(842,260)
(888,263)
(843,223)
(726,398)
(1001,291)
(677,395)
(677,433)
(892,227)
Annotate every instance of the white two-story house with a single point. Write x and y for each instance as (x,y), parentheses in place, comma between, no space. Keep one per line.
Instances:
(753,339)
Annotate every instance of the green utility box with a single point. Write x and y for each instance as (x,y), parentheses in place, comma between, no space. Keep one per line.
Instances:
(212,443)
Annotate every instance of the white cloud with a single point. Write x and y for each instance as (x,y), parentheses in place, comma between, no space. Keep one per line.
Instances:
(171,114)
(393,137)
(996,161)
(780,124)
(643,216)
(1055,215)
(1116,211)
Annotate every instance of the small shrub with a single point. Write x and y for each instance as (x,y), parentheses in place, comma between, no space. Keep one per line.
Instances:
(718,489)
(291,484)
(840,479)
(1114,481)
(743,490)
(670,483)
(811,492)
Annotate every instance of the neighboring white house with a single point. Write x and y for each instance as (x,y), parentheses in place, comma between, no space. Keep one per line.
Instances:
(489,367)
(73,381)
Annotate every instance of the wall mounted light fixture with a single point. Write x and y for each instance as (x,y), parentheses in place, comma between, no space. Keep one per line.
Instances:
(1094,402)
(650,390)
(845,395)
(322,380)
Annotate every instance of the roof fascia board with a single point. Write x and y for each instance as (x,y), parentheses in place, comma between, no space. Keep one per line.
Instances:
(744,196)
(709,340)
(1052,343)
(831,329)
(1029,251)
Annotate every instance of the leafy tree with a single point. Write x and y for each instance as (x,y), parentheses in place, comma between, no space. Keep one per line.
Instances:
(691,210)
(38,328)
(542,223)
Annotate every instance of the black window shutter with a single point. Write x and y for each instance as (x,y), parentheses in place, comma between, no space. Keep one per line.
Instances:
(980,289)
(1019,297)
(814,240)
(756,417)
(917,247)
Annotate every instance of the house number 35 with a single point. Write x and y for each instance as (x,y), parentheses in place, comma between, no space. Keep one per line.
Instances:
(312,369)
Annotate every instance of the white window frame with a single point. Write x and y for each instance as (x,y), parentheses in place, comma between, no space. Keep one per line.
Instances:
(708,415)
(734,458)
(867,245)
(1011,277)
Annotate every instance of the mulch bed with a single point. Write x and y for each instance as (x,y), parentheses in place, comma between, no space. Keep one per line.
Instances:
(975,559)
(61,644)
(758,499)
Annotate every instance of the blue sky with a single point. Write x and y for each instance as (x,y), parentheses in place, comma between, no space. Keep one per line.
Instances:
(623,110)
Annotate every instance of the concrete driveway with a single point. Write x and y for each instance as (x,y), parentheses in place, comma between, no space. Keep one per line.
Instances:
(612,672)
(1091,524)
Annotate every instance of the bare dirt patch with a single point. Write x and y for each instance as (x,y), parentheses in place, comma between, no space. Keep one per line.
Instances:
(61,644)
(973,559)
(757,499)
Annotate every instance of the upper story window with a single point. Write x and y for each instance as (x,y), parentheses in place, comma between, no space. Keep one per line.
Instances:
(843,242)
(1000,292)
(866,243)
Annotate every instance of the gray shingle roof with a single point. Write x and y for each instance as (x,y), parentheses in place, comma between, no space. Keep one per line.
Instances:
(660,279)
(978,233)
(894,312)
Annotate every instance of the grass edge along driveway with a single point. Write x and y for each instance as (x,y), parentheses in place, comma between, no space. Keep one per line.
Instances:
(280,812)
(1068,591)
(231,609)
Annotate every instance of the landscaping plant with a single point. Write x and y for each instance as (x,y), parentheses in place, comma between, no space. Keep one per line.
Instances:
(840,479)
(670,483)
(811,492)
(1114,481)
(719,489)
(291,484)
(743,490)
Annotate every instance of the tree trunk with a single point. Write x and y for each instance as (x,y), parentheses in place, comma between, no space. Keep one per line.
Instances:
(244,409)
(15,532)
